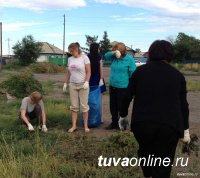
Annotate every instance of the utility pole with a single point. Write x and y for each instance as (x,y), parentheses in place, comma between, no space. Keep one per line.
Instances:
(9,58)
(64,42)
(8,46)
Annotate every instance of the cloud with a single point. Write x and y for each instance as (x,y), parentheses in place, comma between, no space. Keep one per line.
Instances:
(52,35)
(39,5)
(161,22)
(184,7)
(60,35)
(75,33)
(17,26)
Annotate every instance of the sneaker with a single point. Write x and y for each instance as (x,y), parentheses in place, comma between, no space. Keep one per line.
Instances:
(30,127)
(44,128)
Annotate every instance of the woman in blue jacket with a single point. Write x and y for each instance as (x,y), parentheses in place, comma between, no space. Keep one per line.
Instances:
(122,67)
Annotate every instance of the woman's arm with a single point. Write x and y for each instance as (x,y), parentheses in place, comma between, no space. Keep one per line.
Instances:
(109,55)
(67,76)
(88,72)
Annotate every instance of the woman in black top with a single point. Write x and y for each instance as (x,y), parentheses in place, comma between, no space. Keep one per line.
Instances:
(160,109)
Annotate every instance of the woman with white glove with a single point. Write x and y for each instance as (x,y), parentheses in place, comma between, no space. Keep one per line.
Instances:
(122,67)
(160,111)
(78,75)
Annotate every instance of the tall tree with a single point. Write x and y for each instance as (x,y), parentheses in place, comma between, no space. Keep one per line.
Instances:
(90,39)
(27,51)
(186,47)
(105,43)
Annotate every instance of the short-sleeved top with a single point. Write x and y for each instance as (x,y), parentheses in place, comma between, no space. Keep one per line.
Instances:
(26,105)
(95,78)
(76,67)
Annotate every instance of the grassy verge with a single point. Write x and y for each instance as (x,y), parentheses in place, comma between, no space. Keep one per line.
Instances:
(193,85)
(59,154)
(192,67)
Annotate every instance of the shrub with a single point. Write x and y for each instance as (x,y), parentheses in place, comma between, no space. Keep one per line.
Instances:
(46,68)
(21,85)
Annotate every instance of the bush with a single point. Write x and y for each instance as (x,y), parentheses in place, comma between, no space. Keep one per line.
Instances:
(194,67)
(21,85)
(46,68)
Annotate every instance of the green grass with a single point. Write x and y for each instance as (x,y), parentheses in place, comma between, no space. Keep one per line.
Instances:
(193,85)
(57,154)
(191,67)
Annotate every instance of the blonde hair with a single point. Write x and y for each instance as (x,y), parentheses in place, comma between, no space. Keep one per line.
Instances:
(121,47)
(36,97)
(75,46)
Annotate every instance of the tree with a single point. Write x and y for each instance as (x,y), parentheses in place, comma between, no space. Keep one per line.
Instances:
(27,51)
(105,43)
(90,39)
(186,48)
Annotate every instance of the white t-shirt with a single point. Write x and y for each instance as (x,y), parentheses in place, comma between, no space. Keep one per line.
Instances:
(76,67)
(26,105)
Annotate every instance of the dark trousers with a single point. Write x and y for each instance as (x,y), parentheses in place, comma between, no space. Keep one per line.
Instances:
(35,114)
(155,140)
(116,95)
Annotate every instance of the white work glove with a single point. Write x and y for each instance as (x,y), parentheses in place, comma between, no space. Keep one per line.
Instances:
(117,54)
(123,123)
(44,128)
(86,85)
(186,138)
(101,82)
(65,87)
(30,127)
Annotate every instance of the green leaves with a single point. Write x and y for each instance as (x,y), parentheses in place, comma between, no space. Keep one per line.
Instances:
(27,51)
(21,85)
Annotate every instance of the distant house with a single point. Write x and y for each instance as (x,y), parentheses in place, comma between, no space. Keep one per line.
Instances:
(7,59)
(51,53)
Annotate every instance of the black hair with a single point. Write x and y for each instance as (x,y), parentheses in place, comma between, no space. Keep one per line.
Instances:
(94,58)
(161,50)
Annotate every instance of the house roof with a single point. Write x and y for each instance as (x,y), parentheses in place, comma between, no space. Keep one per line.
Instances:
(50,49)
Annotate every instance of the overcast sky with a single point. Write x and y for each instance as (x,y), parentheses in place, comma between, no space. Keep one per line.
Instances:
(137,23)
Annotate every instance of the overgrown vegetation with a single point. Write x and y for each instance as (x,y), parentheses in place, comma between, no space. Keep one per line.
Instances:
(57,154)
(193,67)
(193,85)
(21,85)
(46,68)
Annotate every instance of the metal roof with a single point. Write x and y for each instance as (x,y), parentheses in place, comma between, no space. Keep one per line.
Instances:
(50,49)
